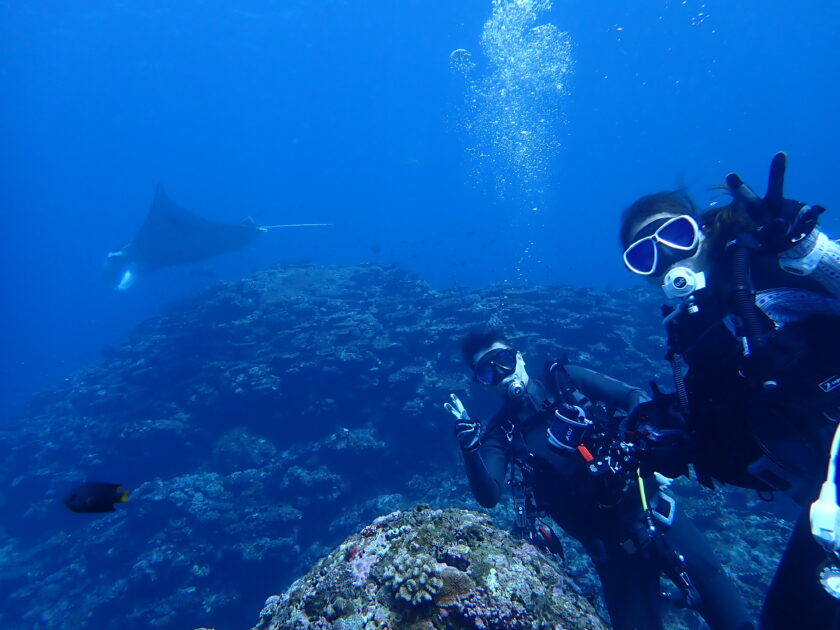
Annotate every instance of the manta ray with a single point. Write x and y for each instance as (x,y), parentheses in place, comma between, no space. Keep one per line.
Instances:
(171,235)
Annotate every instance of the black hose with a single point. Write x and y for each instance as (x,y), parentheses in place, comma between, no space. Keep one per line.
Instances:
(745,300)
(679,381)
(672,357)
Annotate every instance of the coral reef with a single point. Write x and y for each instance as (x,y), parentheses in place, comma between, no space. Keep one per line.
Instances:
(263,421)
(413,577)
(427,569)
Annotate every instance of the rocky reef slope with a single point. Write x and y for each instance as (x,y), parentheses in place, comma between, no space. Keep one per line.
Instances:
(261,423)
(432,569)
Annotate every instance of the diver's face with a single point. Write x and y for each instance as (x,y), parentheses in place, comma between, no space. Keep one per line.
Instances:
(502,368)
(661,242)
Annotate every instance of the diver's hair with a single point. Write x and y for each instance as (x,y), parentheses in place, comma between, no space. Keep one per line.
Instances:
(670,201)
(720,226)
(479,339)
(726,222)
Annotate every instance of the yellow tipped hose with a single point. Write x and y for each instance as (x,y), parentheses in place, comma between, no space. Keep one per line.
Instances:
(642,490)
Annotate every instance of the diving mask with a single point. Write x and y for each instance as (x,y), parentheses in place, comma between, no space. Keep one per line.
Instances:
(504,369)
(671,240)
(496,365)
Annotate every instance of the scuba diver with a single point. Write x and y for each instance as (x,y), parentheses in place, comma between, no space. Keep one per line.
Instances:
(554,441)
(754,321)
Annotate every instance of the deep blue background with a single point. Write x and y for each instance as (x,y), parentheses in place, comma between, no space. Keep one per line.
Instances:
(347,112)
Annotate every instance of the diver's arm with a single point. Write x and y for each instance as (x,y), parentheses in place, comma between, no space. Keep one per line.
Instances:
(602,388)
(816,256)
(486,468)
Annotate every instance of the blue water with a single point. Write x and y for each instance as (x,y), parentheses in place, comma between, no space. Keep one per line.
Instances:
(348,112)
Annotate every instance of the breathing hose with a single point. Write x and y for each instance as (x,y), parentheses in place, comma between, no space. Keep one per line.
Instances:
(679,382)
(744,299)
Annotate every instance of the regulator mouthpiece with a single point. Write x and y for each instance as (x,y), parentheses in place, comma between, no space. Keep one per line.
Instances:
(680,282)
(516,389)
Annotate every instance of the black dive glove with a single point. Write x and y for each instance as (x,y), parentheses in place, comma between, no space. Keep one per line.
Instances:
(468,434)
(659,431)
(781,222)
(467,430)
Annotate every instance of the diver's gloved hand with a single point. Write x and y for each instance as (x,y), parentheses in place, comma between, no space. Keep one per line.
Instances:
(781,222)
(467,430)
(660,433)
(663,481)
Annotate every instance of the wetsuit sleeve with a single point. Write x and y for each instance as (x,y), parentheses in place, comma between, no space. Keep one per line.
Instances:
(606,390)
(486,468)
(827,259)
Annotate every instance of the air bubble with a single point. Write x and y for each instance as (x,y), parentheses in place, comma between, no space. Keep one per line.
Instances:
(514,104)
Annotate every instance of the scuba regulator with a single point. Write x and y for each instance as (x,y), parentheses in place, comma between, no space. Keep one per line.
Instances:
(681,282)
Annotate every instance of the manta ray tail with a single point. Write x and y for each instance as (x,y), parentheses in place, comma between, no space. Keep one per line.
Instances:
(266,228)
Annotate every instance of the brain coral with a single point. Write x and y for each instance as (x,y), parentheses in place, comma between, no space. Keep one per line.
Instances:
(428,569)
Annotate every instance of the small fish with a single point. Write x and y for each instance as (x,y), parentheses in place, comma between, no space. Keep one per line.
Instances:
(95,496)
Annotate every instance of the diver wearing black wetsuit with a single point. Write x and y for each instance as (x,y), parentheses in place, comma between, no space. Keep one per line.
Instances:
(756,324)
(601,512)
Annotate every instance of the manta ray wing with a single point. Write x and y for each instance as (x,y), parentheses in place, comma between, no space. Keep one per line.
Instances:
(173,236)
